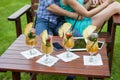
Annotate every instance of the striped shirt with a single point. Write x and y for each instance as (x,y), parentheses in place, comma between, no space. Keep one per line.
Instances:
(42,12)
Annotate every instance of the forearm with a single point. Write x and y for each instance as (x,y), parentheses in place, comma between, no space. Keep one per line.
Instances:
(59,11)
(97,9)
(82,11)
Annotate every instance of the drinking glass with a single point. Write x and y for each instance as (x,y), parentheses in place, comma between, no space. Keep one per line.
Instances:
(92,46)
(47,48)
(31,41)
(68,42)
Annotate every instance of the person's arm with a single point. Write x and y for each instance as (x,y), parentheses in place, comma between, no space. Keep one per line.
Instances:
(83,11)
(90,4)
(59,11)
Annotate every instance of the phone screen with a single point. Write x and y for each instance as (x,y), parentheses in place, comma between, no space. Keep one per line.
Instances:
(57,46)
(100,44)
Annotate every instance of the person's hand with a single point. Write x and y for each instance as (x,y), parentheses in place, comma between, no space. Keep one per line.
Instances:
(80,17)
(75,15)
(101,1)
(95,2)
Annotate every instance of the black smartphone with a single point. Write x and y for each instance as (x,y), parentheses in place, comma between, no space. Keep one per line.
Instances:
(100,44)
(57,46)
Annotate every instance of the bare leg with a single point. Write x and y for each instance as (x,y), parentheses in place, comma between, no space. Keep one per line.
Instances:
(105,14)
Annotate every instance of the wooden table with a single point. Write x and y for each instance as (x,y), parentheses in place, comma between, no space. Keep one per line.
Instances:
(12,60)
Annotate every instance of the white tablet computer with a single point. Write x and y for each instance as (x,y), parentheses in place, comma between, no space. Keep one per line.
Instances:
(80,44)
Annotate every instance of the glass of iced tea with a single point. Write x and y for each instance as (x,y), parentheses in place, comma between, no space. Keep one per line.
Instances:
(31,41)
(68,42)
(47,47)
(92,45)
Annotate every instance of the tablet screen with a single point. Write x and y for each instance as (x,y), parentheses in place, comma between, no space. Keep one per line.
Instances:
(80,44)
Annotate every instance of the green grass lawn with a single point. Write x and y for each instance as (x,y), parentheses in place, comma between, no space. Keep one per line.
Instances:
(8,35)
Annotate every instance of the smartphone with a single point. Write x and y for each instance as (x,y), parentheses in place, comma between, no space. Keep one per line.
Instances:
(57,46)
(100,44)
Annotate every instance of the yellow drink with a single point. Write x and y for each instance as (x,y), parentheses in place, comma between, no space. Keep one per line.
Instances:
(46,49)
(92,47)
(68,40)
(68,43)
(31,42)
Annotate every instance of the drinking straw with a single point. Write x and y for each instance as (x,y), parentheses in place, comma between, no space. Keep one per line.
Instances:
(48,24)
(98,34)
(34,24)
(75,23)
(101,28)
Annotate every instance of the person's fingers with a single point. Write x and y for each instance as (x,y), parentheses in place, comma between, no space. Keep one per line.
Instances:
(80,17)
(94,1)
(101,1)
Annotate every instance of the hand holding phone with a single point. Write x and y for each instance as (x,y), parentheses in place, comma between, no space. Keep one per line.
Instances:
(57,46)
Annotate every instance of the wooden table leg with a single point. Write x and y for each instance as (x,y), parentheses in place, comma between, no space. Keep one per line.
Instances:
(112,45)
(33,76)
(16,76)
(89,78)
(112,30)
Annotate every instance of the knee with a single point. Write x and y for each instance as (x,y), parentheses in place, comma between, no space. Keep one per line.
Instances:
(116,5)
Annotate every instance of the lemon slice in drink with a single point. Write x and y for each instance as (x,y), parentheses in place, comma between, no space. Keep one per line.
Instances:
(28,28)
(88,31)
(65,27)
(44,36)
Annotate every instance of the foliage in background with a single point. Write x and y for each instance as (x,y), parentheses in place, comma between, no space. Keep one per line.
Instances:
(8,35)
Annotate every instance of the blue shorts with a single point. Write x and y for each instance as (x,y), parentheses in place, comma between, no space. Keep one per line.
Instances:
(77,34)
(42,24)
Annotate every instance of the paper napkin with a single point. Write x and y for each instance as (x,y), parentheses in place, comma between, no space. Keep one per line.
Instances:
(52,60)
(63,56)
(97,60)
(27,54)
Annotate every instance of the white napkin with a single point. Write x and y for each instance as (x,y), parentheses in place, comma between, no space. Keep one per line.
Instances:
(53,60)
(96,62)
(28,55)
(63,56)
